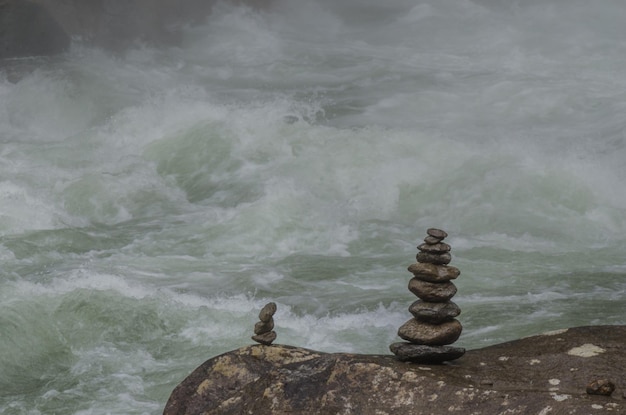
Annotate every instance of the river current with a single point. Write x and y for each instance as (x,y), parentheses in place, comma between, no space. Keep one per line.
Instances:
(152,202)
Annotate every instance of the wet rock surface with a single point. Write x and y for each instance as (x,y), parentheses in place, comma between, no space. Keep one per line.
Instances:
(434,273)
(433,292)
(438,259)
(434,312)
(410,351)
(419,332)
(545,374)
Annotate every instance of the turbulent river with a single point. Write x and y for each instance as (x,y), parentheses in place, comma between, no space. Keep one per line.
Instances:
(152,202)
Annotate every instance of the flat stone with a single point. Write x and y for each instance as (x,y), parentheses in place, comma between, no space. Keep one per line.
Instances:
(265,338)
(434,313)
(267,312)
(438,248)
(419,353)
(601,387)
(437,259)
(419,332)
(431,240)
(264,326)
(434,273)
(433,292)
(437,233)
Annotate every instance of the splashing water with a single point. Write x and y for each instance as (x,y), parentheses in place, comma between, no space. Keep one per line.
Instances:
(152,203)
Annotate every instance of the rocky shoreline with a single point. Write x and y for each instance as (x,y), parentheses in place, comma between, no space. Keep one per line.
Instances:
(572,371)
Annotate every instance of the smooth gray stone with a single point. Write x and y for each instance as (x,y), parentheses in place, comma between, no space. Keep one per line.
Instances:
(434,313)
(264,326)
(437,259)
(437,233)
(265,338)
(267,312)
(434,273)
(438,248)
(433,292)
(432,240)
(419,332)
(418,353)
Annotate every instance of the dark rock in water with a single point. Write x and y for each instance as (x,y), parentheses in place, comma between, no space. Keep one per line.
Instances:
(420,332)
(439,248)
(27,29)
(434,312)
(437,259)
(265,338)
(434,273)
(434,292)
(117,24)
(418,353)
(601,387)
(544,374)
(267,312)
(264,326)
(437,233)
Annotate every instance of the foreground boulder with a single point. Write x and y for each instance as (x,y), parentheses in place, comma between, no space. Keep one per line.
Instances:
(545,374)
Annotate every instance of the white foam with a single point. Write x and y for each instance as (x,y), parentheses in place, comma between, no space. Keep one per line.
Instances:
(267,278)
(44,107)
(82,279)
(336,132)
(516,243)
(22,210)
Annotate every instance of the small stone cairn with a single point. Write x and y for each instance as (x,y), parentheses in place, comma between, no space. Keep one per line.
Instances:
(264,330)
(433,326)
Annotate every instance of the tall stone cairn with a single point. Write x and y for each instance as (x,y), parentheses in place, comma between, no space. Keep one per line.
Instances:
(433,326)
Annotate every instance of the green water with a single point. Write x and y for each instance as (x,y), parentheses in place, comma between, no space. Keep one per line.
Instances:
(152,203)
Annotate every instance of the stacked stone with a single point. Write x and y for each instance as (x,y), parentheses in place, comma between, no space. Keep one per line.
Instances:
(264,330)
(433,326)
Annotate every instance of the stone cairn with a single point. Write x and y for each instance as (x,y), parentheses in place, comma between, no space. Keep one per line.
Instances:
(433,326)
(264,330)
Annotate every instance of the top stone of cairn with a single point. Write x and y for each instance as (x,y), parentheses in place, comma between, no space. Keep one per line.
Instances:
(437,234)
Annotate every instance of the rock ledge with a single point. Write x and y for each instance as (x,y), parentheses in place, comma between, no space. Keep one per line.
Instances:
(544,374)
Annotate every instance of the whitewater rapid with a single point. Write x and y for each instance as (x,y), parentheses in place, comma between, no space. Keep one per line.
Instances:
(152,202)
